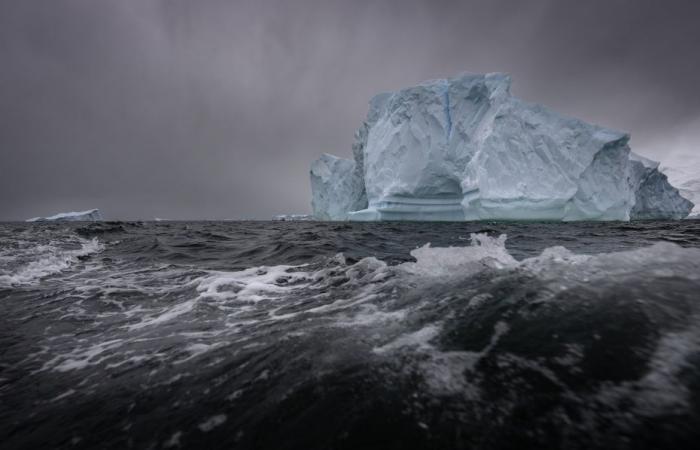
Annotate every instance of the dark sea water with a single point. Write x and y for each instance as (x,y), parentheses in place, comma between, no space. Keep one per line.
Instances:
(303,335)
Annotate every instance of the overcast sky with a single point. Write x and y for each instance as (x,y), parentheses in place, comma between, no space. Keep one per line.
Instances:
(215,109)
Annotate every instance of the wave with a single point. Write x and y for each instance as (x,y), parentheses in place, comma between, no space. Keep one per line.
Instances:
(464,347)
(26,263)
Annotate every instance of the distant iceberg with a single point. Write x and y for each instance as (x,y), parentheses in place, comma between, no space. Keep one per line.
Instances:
(90,215)
(465,149)
(293,217)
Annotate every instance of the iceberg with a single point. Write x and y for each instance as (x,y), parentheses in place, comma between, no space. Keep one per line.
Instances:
(90,215)
(687,179)
(464,148)
(293,217)
(338,188)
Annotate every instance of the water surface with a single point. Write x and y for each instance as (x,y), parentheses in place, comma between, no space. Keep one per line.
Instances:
(350,335)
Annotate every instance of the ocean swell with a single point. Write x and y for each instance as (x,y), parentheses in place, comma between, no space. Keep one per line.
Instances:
(461,347)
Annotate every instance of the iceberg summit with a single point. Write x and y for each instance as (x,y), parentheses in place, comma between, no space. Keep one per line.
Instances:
(465,149)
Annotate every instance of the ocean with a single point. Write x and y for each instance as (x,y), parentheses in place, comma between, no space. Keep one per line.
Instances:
(313,335)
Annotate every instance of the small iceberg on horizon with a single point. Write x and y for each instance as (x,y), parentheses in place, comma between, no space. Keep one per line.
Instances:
(293,217)
(91,215)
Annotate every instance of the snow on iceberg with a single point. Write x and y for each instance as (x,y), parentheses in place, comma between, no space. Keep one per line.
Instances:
(89,215)
(465,149)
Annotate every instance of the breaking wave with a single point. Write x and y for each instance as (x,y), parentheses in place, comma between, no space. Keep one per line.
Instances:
(26,263)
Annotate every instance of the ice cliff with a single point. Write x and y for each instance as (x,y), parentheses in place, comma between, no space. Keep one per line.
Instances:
(89,215)
(685,175)
(338,188)
(465,149)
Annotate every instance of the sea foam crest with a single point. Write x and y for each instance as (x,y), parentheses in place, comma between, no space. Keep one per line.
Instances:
(252,285)
(485,251)
(28,265)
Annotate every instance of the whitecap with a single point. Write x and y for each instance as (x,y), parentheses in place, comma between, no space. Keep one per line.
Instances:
(45,260)
(212,422)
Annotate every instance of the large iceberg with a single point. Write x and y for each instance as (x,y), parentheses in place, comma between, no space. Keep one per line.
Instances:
(465,149)
(90,215)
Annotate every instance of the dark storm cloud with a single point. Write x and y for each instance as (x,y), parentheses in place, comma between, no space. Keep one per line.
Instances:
(214,109)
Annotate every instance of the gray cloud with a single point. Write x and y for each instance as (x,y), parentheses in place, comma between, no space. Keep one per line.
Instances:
(214,109)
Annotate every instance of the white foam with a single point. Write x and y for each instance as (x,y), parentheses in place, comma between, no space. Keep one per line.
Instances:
(166,315)
(444,371)
(65,394)
(661,259)
(174,440)
(370,314)
(81,357)
(212,422)
(234,395)
(197,349)
(484,252)
(554,263)
(252,285)
(46,260)
(418,340)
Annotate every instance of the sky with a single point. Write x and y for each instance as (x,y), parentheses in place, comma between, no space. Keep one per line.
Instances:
(213,109)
